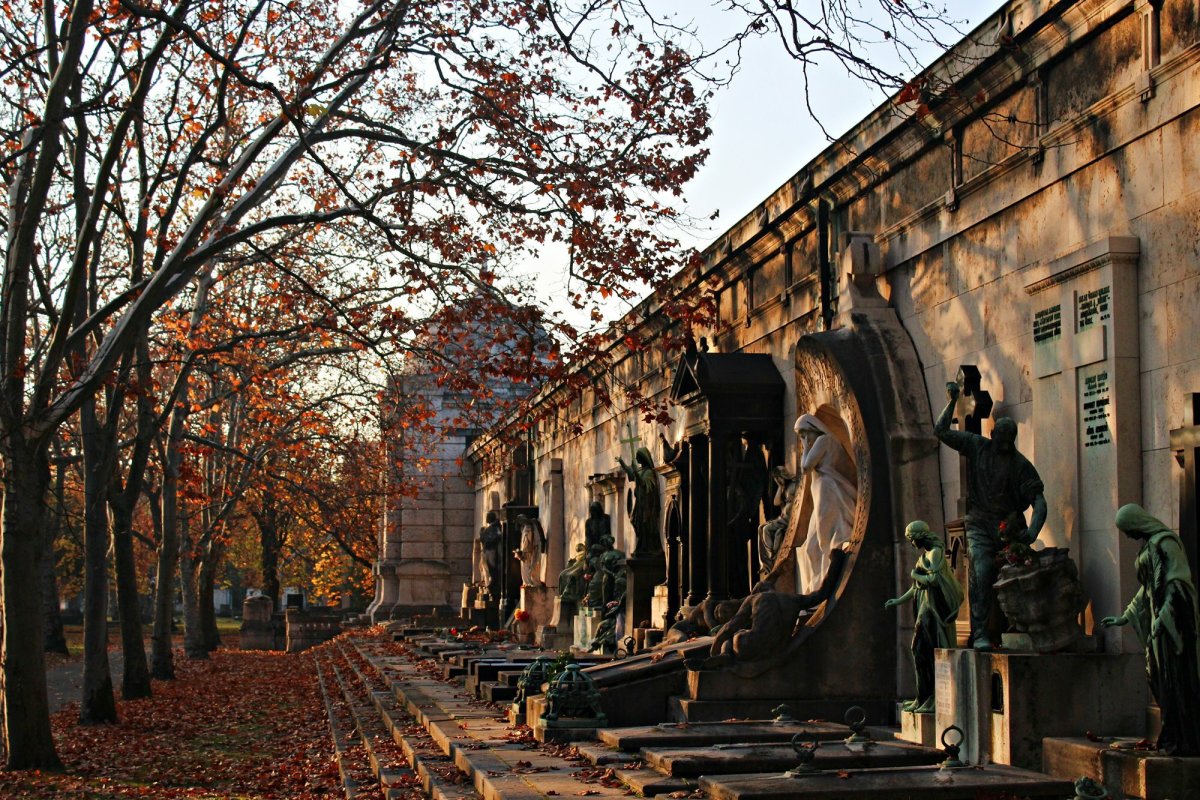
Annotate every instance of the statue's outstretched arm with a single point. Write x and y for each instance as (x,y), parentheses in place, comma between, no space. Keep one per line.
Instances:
(1038,518)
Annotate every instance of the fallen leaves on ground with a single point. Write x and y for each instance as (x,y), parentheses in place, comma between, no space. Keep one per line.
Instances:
(243,724)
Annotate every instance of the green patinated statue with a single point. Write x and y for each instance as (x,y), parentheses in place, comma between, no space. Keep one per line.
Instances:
(645,515)
(606,592)
(570,580)
(1164,615)
(1000,485)
(938,595)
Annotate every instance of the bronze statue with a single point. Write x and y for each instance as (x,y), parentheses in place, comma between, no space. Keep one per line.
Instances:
(645,501)
(596,526)
(766,619)
(1164,615)
(1001,484)
(938,595)
(606,592)
(488,549)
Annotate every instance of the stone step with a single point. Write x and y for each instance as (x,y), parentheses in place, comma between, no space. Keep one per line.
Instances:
(670,734)
(341,729)
(745,758)
(500,761)
(902,783)
(647,782)
(391,770)
(497,693)
(439,777)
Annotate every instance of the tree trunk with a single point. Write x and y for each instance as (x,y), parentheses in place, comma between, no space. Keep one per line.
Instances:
(268,534)
(98,704)
(55,640)
(162,661)
(27,736)
(193,636)
(206,582)
(135,680)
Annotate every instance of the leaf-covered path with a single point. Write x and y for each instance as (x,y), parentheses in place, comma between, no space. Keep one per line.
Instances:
(243,725)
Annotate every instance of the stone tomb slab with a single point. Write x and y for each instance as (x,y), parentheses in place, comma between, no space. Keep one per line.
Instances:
(901,783)
(747,758)
(707,734)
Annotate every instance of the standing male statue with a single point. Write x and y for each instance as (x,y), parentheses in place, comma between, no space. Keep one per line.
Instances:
(1001,484)
(645,501)
(488,554)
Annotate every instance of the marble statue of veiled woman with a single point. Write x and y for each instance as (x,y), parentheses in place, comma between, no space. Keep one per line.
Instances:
(826,463)
(1164,615)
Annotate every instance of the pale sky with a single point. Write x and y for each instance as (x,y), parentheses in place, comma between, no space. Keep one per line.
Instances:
(762,132)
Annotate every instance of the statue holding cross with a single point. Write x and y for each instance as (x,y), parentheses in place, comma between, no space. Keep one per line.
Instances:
(645,495)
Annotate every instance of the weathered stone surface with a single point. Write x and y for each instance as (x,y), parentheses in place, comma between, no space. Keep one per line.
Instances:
(905,783)
(1123,772)
(714,733)
(744,758)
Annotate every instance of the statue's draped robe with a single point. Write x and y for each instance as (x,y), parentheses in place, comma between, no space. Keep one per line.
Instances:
(936,608)
(1172,661)
(833,500)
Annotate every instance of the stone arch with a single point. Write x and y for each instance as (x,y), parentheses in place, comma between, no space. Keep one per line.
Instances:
(867,381)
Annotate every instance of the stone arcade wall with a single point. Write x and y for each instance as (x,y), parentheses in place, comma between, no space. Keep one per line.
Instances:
(1045,231)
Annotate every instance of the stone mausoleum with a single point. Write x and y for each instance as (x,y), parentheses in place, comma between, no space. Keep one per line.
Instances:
(1027,227)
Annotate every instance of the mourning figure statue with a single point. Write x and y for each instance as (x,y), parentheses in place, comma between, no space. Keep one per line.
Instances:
(771,533)
(530,553)
(826,463)
(645,501)
(766,619)
(1001,484)
(488,553)
(570,582)
(597,526)
(1163,613)
(937,595)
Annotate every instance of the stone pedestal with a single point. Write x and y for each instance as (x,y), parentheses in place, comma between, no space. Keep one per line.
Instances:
(1123,772)
(386,591)
(642,576)
(260,629)
(587,623)
(539,602)
(549,637)
(1006,704)
(918,728)
(660,606)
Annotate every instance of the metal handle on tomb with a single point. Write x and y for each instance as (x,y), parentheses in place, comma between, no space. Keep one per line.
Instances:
(856,719)
(953,748)
(805,744)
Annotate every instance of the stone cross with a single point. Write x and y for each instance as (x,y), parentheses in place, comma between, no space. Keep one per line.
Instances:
(973,407)
(1185,443)
(631,440)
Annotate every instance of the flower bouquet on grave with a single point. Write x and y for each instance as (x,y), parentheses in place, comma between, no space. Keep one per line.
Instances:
(1014,550)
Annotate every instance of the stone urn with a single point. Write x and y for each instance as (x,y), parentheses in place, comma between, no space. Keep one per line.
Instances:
(1042,598)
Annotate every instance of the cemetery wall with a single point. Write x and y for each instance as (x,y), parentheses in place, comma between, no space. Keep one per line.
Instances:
(1040,222)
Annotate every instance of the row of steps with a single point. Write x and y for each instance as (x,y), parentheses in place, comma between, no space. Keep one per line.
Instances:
(436,699)
(371,725)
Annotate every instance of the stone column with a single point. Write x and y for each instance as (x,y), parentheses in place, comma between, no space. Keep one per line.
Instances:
(697,523)
(556,527)
(718,538)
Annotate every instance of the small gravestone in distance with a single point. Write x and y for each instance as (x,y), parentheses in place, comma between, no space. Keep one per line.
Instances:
(260,630)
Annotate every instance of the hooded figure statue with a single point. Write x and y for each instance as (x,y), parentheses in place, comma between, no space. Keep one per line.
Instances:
(645,501)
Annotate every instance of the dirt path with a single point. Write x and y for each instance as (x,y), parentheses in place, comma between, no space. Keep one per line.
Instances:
(64,683)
